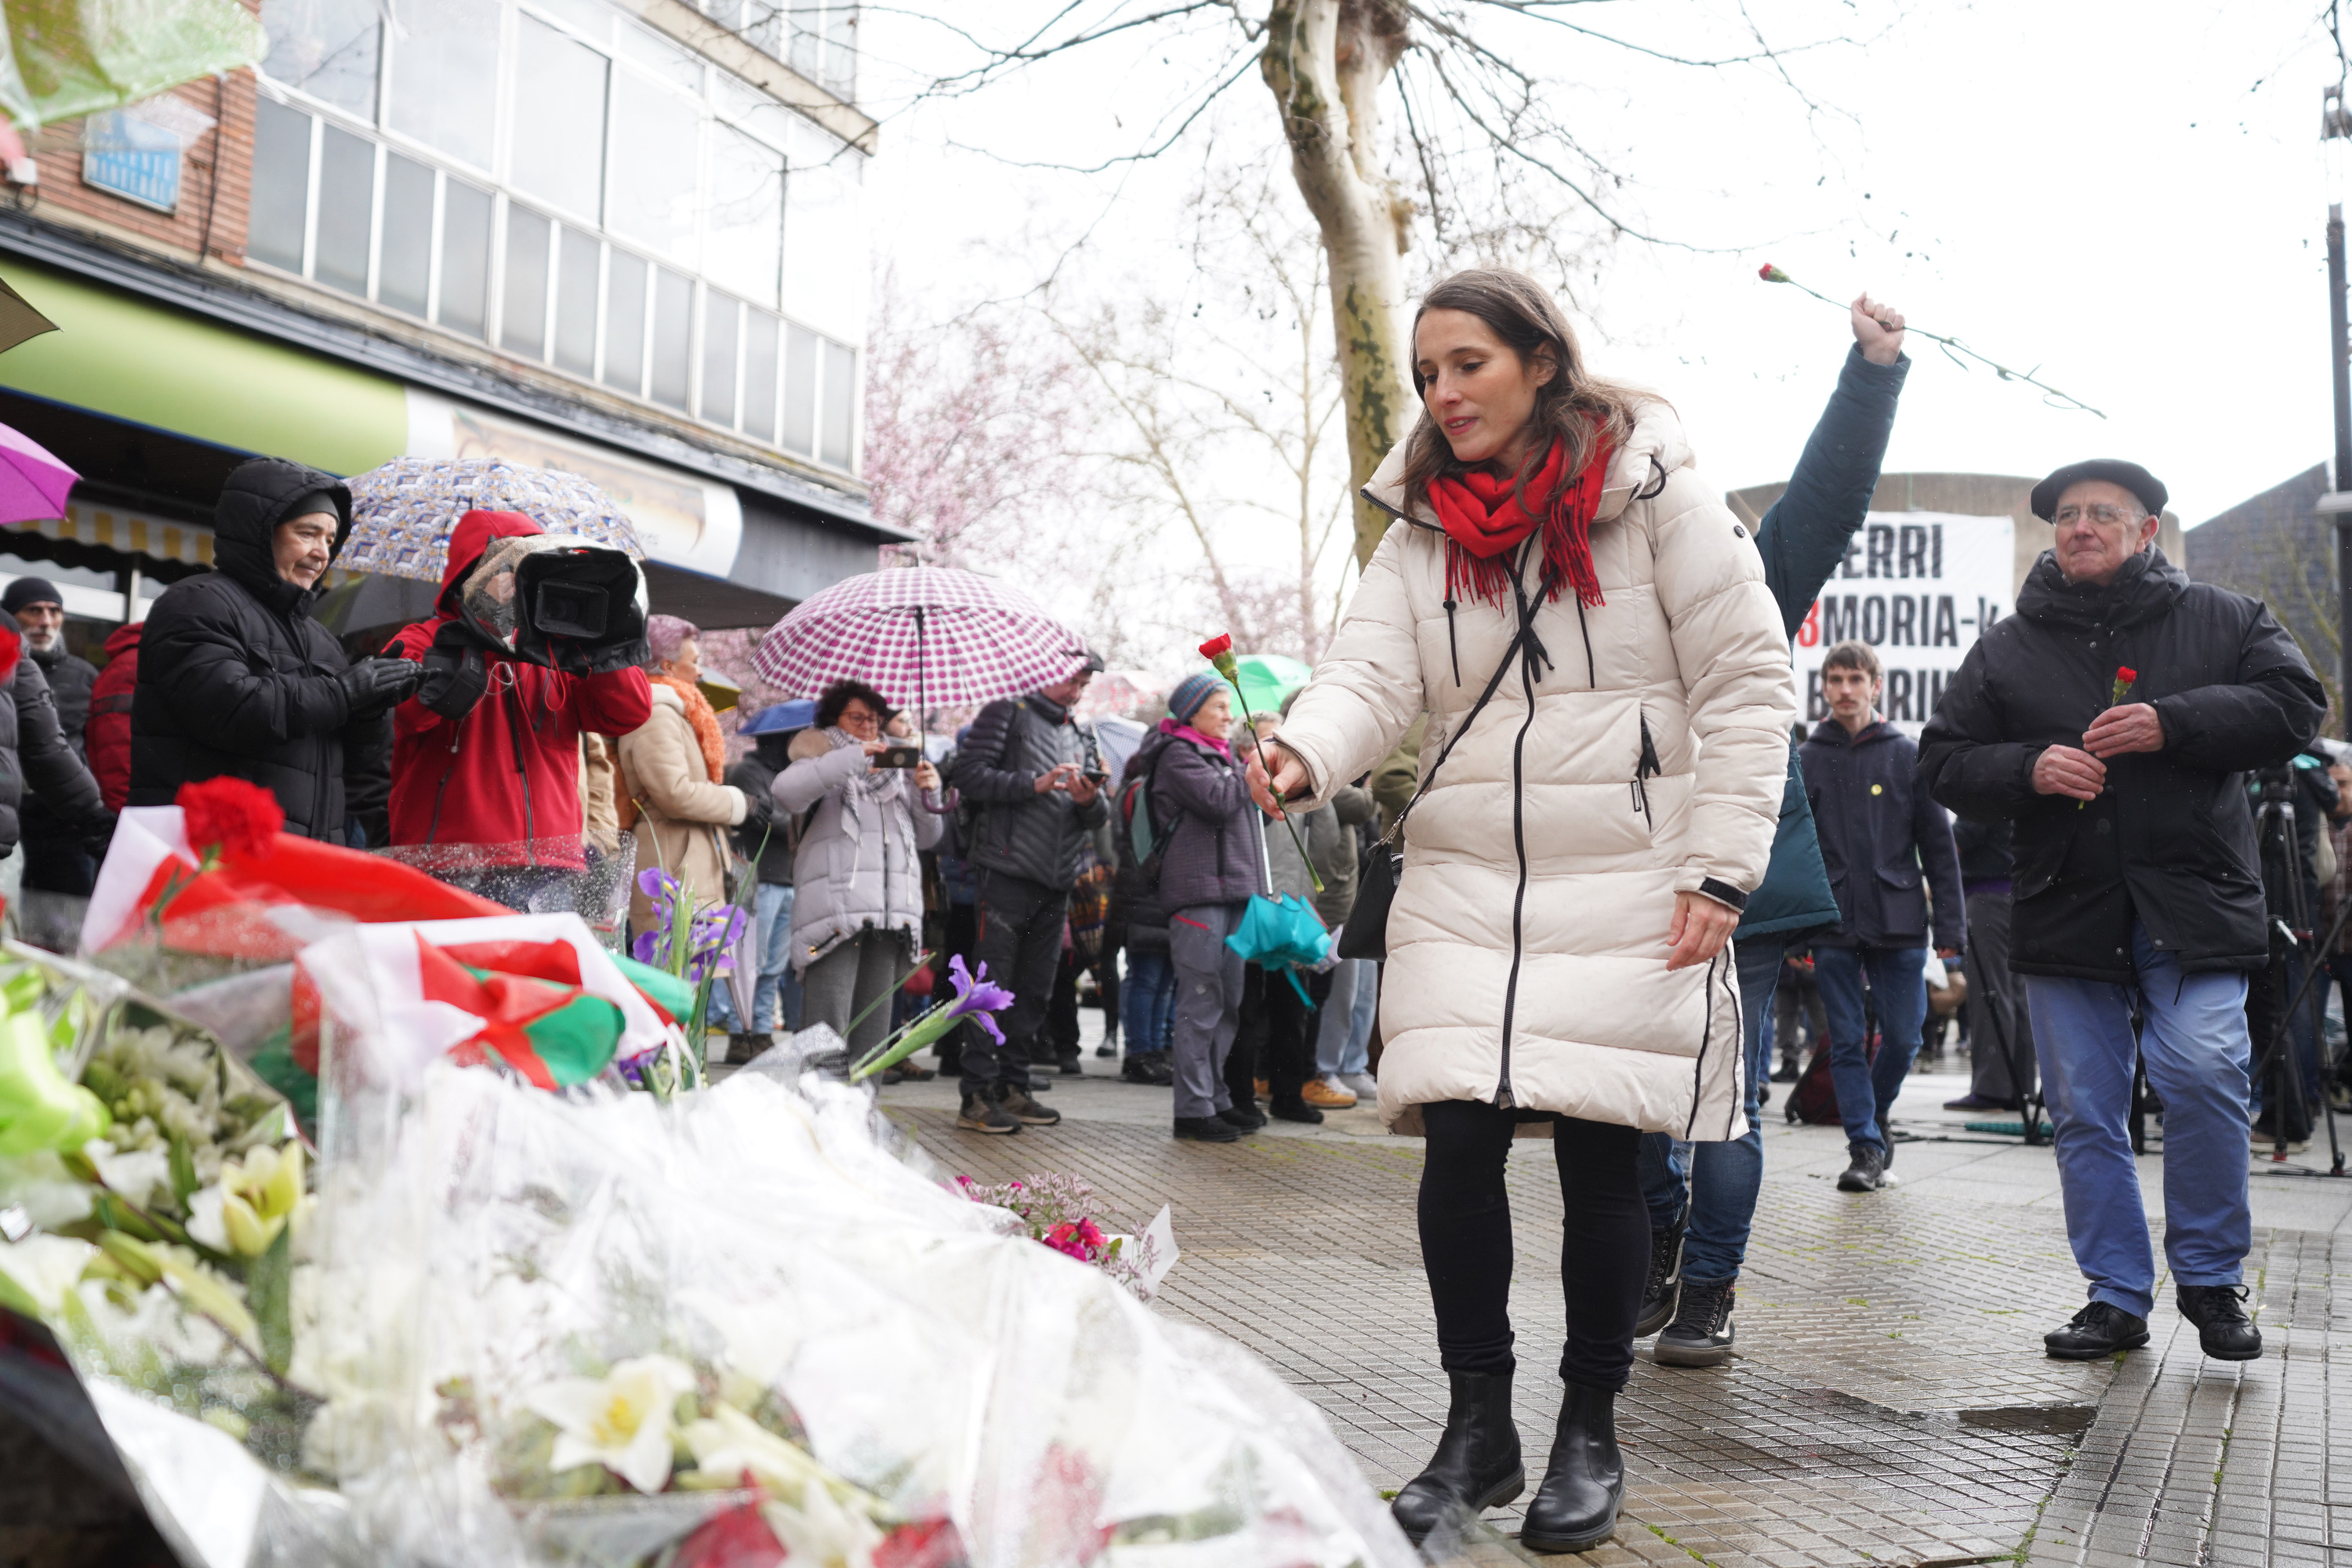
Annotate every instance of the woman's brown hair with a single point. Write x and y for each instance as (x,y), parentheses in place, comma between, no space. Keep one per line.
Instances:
(1575,406)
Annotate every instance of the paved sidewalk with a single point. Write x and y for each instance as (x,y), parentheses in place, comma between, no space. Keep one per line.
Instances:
(1890,1403)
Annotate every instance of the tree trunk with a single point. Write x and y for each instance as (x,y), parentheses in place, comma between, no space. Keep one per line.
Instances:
(1323,61)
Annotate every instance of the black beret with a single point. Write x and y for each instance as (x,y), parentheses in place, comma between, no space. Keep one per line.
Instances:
(2113,470)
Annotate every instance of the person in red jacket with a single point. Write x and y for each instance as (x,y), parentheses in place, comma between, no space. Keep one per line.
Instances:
(495,778)
(107,732)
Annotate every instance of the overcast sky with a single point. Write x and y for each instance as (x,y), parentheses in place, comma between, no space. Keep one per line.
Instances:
(2130,196)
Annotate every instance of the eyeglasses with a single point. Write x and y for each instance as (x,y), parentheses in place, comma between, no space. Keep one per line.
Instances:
(2105,516)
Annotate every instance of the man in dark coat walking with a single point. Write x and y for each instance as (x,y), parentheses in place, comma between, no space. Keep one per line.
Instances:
(236,678)
(2111,718)
(1036,779)
(1888,850)
(58,858)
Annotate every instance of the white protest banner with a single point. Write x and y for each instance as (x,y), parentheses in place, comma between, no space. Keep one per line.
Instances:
(1919,587)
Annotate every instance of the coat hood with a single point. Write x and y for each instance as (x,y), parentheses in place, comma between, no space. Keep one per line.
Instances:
(1656,448)
(807,743)
(254,499)
(124,638)
(471,537)
(2144,587)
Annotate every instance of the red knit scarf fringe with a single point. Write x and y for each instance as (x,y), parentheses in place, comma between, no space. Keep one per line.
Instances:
(1479,508)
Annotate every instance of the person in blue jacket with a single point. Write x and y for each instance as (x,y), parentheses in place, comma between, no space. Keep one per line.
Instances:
(1699,1231)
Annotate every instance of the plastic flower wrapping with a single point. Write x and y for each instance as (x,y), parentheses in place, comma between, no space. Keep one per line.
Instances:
(501,1312)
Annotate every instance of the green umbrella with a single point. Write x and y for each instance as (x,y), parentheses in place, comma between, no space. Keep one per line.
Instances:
(1266,678)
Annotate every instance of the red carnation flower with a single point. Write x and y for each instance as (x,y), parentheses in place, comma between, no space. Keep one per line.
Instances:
(2127,674)
(229,817)
(1221,643)
(1771,274)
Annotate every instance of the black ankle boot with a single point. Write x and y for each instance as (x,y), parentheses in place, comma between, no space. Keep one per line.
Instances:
(1575,1507)
(1476,1466)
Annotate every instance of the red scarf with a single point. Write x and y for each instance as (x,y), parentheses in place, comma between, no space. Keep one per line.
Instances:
(1484,522)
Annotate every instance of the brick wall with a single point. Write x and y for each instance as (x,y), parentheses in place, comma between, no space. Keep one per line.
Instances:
(215,178)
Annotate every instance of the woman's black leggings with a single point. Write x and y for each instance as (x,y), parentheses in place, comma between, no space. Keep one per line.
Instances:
(1466,1240)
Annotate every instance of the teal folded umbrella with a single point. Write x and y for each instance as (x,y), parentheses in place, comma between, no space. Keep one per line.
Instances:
(1276,933)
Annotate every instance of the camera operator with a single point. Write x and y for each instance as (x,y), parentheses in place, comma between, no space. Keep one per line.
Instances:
(2109,718)
(485,758)
(2303,791)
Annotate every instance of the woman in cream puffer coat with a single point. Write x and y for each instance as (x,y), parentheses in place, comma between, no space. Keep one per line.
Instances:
(1556,950)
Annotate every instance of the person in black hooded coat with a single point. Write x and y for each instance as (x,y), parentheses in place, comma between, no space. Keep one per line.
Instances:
(34,755)
(236,678)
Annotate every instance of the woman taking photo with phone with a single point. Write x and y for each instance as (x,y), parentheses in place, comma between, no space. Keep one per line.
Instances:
(858,885)
(1610,699)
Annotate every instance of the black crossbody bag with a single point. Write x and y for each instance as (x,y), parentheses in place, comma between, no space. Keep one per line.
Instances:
(1365,932)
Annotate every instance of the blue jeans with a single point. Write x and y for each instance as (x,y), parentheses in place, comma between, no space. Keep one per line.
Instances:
(1898,984)
(773,945)
(1147,1002)
(1725,1178)
(2194,1042)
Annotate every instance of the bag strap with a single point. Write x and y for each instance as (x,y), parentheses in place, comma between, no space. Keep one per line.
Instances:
(1524,639)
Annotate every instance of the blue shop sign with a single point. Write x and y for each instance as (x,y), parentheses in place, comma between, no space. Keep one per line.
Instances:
(131,159)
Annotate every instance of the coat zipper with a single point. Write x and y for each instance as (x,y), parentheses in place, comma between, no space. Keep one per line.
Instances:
(432,829)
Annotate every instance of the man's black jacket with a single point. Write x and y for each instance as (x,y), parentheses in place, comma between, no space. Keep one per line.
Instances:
(1032,835)
(1879,833)
(235,678)
(2170,842)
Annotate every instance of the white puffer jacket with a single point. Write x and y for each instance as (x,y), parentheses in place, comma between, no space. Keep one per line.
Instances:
(1644,755)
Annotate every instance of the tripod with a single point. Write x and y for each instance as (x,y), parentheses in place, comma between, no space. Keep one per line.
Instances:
(2274,826)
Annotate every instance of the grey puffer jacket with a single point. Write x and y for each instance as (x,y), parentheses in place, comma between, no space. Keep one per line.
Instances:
(1013,741)
(856,866)
(1200,803)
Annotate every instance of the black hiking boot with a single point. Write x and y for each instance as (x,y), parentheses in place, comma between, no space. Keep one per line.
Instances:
(2098,1331)
(1575,1507)
(1476,1466)
(1866,1173)
(1140,1068)
(981,1115)
(1665,1280)
(1700,1334)
(2223,1327)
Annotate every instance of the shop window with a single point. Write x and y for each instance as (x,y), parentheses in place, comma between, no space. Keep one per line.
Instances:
(799,392)
(465,258)
(445,76)
(721,323)
(672,351)
(522,315)
(328,48)
(575,303)
(625,323)
(346,209)
(760,367)
(281,185)
(656,140)
(404,266)
(743,235)
(559,119)
(840,404)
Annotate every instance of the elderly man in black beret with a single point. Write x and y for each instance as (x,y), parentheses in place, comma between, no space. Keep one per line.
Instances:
(2110,717)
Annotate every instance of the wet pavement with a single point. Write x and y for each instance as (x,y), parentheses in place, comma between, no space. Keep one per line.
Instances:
(1889,1403)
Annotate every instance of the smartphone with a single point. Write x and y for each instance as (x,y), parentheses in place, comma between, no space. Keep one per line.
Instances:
(896,755)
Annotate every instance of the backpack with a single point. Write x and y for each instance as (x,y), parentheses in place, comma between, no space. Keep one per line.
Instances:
(1150,847)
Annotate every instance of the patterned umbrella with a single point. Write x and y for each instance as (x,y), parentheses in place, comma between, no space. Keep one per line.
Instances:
(925,635)
(403,513)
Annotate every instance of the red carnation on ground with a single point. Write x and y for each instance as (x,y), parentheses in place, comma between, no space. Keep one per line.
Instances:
(229,817)
(1221,643)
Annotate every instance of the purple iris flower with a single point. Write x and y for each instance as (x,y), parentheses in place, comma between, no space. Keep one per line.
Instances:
(976,998)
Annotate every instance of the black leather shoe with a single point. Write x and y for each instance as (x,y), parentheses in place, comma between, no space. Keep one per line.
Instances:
(1476,1466)
(2223,1327)
(1866,1173)
(1661,1289)
(1247,1121)
(1206,1130)
(2099,1329)
(1296,1111)
(1137,1069)
(1701,1333)
(1576,1507)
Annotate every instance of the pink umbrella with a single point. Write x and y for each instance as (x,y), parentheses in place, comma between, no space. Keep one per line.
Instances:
(33,484)
(926,635)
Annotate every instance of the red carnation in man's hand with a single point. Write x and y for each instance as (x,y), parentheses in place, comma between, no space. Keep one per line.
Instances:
(1771,274)
(229,817)
(2127,674)
(1221,643)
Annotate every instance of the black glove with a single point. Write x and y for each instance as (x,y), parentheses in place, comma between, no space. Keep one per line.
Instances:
(577,658)
(373,685)
(97,833)
(457,672)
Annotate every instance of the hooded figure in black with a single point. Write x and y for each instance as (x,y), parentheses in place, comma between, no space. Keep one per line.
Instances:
(235,678)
